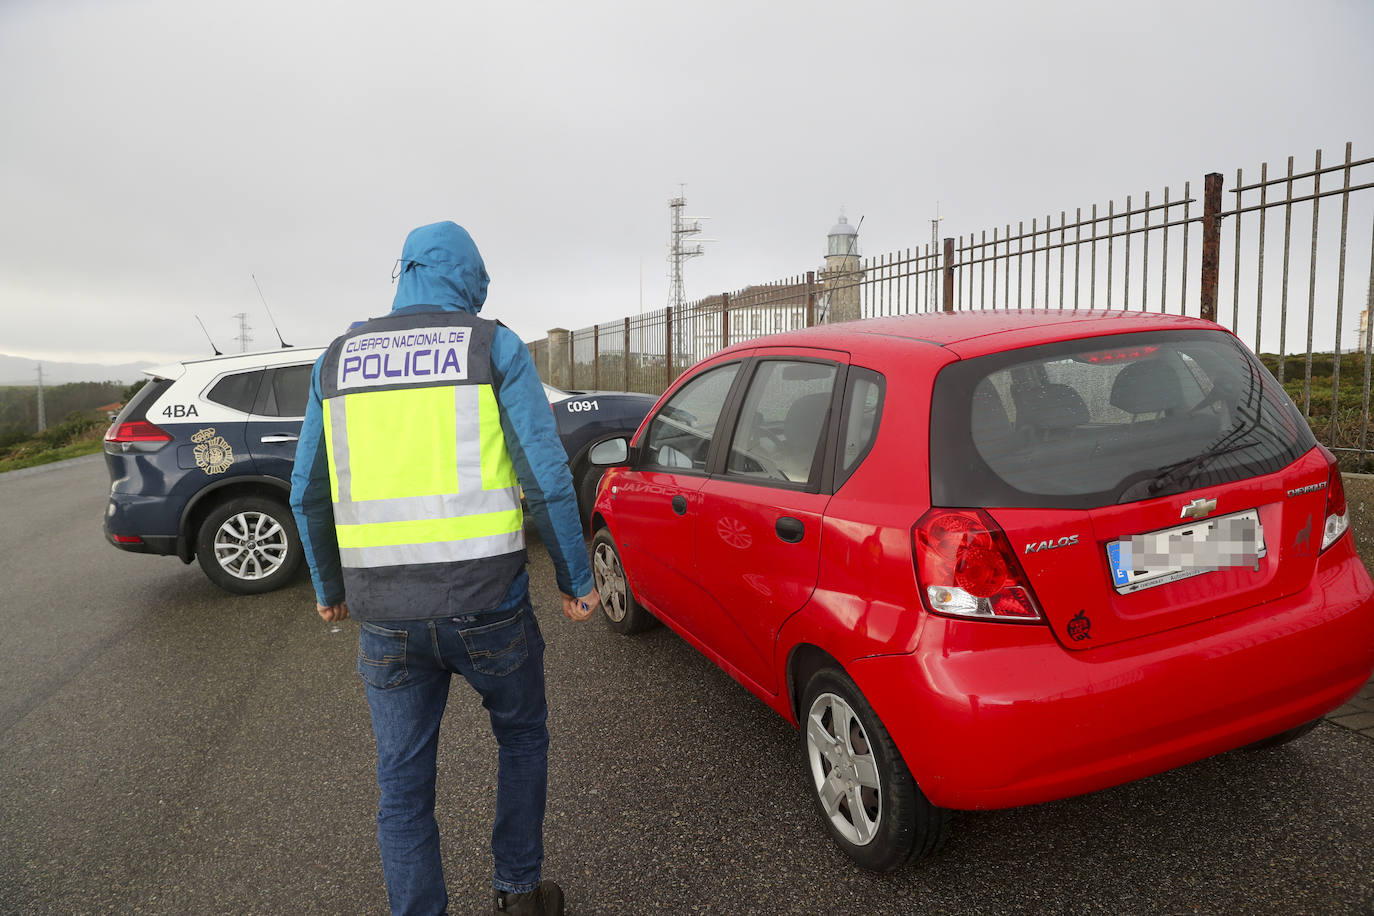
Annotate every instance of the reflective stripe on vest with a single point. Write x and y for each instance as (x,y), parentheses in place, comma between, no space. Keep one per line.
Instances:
(421,475)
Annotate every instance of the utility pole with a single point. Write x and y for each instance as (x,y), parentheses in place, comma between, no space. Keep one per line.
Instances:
(42,413)
(244,337)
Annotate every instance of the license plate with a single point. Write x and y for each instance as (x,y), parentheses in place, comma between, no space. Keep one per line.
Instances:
(1159,557)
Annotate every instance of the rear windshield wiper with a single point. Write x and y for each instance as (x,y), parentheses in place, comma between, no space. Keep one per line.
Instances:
(1180,471)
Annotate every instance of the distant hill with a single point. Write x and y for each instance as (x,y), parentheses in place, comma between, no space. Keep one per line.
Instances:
(15,370)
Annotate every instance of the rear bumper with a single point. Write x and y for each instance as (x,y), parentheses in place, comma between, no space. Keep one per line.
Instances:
(126,516)
(994,716)
(162,546)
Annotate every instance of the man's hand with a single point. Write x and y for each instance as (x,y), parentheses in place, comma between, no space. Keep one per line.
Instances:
(333,613)
(580,608)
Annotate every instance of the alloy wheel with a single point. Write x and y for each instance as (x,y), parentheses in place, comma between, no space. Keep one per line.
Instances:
(251,545)
(843,769)
(610,581)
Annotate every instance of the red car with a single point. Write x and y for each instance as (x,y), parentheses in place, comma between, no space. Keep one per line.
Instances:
(994,558)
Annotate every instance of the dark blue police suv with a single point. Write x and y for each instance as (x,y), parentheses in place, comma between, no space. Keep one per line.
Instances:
(200,461)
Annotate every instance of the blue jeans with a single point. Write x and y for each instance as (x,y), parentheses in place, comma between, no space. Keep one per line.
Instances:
(407,666)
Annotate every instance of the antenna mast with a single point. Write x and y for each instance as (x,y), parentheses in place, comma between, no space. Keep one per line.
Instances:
(244,337)
(207,336)
(284,344)
(682,246)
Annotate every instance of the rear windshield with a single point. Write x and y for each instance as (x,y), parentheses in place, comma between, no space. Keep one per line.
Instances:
(137,408)
(1108,420)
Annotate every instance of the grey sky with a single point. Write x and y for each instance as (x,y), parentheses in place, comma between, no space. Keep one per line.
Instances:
(156,154)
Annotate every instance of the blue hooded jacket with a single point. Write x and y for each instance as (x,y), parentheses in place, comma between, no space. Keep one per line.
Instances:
(441,270)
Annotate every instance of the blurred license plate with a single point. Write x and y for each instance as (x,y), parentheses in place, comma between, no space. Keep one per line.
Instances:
(1147,560)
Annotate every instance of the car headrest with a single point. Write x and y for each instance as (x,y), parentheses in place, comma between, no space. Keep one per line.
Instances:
(1148,386)
(1050,407)
(988,419)
(802,422)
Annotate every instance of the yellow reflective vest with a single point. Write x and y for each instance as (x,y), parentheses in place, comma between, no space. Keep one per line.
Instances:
(426,501)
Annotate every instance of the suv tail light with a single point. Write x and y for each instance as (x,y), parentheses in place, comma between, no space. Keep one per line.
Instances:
(138,436)
(1337,518)
(966,568)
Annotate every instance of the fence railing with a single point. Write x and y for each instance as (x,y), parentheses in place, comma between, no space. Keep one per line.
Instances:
(1264,258)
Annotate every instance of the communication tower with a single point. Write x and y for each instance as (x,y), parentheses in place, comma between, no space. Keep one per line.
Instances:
(244,338)
(683,245)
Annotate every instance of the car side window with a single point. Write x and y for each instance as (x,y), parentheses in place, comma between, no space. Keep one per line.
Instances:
(863,408)
(778,436)
(680,433)
(238,391)
(289,389)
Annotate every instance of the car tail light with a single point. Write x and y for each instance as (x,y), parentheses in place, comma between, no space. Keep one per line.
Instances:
(1337,517)
(966,568)
(137,435)
(127,539)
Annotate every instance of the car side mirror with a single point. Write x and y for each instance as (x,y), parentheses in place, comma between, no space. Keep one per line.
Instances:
(610,452)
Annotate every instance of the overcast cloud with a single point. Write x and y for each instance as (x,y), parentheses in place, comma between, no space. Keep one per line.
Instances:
(157,154)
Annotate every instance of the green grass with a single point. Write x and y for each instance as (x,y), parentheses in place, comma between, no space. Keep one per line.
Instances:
(56,444)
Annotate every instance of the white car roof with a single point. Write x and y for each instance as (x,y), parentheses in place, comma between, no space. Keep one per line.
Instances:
(227,363)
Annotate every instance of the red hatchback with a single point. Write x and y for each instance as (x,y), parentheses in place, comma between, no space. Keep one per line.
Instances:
(990,559)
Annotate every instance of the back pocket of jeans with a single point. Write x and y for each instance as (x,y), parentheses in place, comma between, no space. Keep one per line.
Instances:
(497,648)
(381,655)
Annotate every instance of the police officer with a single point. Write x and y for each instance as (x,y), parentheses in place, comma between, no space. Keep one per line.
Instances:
(422,429)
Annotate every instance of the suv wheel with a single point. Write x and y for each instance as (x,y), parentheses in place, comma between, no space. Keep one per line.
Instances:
(871,804)
(249,545)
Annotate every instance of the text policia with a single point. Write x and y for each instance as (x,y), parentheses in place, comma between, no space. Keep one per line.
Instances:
(420,354)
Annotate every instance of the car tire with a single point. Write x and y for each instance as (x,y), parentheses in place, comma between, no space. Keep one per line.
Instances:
(866,795)
(249,545)
(619,609)
(1284,737)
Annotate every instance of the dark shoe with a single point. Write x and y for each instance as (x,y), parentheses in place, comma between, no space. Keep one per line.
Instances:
(544,900)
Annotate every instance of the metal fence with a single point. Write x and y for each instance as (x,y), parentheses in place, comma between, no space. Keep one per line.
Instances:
(1265,257)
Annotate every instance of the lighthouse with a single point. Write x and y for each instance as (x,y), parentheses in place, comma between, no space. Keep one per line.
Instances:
(842,275)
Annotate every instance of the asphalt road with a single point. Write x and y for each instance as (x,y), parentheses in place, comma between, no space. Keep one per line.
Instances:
(168,748)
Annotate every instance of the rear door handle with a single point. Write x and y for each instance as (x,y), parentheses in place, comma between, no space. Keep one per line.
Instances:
(790,529)
(277,438)
(680,504)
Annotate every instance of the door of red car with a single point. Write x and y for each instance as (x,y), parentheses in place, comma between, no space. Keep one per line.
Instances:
(657,500)
(758,538)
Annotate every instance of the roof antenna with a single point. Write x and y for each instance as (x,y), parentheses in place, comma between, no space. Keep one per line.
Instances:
(207,336)
(284,344)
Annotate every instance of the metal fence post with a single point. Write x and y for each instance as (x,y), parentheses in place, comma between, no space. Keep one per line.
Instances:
(668,343)
(948,304)
(627,352)
(724,320)
(810,298)
(1211,243)
(596,356)
(572,361)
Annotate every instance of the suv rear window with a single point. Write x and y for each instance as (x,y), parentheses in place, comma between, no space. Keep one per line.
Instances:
(1107,420)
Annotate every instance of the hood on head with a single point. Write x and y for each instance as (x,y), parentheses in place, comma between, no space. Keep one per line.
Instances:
(440,265)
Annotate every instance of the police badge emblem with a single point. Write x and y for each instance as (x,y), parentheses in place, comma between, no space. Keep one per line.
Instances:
(213,454)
